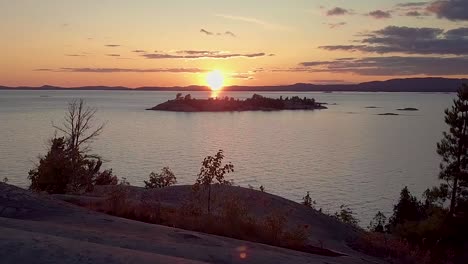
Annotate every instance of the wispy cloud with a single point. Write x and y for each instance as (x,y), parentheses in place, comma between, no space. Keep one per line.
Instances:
(113,55)
(121,70)
(112,45)
(379,14)
(139,51)
(255,21)
(201,54)
(336,25)
(210,33)
(206,32)
(75,55)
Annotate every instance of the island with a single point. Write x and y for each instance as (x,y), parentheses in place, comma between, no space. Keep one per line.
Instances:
(408,109)
(388,114)
(227,104)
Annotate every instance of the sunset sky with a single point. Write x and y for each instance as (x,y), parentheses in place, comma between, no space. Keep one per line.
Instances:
(169,43)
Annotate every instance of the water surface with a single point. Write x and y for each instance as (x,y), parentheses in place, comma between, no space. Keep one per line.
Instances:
(347,154)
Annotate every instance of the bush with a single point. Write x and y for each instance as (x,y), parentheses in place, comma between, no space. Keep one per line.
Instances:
(346,215)
(164,179)
(378,223)
(390,248)
(307,201)
(106,178)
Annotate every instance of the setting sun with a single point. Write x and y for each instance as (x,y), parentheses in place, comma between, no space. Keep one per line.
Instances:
(215,80)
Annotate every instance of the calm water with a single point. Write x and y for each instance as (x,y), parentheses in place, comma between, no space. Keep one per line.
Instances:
(346,154)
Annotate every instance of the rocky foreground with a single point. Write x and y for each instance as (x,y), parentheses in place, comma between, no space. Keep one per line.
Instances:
(37,228)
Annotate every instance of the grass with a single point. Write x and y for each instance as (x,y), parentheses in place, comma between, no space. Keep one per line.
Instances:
(231,220)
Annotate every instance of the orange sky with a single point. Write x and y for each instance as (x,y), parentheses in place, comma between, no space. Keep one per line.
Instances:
(169,43)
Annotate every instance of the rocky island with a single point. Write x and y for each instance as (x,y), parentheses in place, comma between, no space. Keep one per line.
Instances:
(227,104)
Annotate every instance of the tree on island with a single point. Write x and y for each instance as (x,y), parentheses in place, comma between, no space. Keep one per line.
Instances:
(213,171)
(68,166)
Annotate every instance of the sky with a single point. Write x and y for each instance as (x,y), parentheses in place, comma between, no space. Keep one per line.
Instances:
(177,43)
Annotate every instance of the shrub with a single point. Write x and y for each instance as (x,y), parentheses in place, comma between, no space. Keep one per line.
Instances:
(391,248)
(307,201)
(378,223)
(161,180)
(346,215)
(106,178)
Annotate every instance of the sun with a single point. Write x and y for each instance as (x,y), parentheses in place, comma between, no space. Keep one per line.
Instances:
(215,80)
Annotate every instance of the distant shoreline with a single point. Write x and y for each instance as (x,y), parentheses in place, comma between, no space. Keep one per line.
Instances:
(417,85)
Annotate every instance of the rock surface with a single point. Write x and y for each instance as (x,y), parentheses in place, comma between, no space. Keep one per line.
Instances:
(37,228)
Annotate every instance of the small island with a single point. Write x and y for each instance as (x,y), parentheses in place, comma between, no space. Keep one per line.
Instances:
(408,109)
(226,104)
(388,114)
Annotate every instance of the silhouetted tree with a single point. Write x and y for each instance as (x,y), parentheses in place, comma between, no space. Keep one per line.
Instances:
(188,97)
(307,200)
(346,215)
(378,223)
(68,166)
(453,148)
(178,96)
(213,170)
(407,209)
(161,180)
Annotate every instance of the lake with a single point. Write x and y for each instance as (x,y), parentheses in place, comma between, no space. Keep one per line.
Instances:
(347,154)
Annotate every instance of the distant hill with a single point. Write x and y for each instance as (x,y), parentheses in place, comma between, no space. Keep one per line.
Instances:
(393,85)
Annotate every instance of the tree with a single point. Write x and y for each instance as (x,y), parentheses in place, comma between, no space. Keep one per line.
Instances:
(307,201)
(212,171)
(407,209)
(178,96)
(378,223)
(346,215)
(453,148)
(68,166)
(161,180)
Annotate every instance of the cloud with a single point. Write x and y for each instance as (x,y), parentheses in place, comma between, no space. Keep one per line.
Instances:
(139,51)
(379,14)
(209,33)
(206,32)
(130,70)
(112,45)
(255,21)
(450,9)
(338,11)
(390,66)
(242,75)
(113,55)
(75,55)
(415,14)
(202,54)
(412,4)
(229,33)
(413,9)
(393,39)
(336,25)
